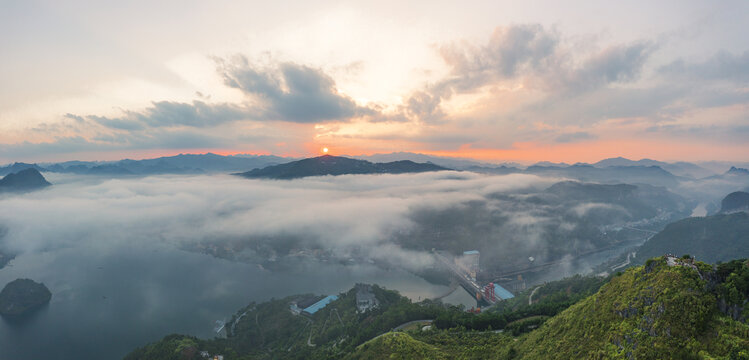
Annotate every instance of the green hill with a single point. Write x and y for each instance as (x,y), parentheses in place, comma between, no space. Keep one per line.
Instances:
(681,310)
(650,312)
(655,311)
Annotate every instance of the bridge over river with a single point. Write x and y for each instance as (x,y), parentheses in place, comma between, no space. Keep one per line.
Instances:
(484,295)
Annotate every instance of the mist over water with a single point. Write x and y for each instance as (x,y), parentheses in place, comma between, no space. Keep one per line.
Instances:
(111,252)
(131,260)
(104,304)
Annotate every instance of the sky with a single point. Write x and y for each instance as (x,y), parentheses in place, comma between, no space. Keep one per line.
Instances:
(496,81)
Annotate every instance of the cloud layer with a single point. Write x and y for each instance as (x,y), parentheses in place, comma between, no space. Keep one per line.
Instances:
(343,214)
(392,219)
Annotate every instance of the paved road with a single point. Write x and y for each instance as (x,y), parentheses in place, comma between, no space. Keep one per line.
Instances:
(530,297)
(404,325)
(629,255)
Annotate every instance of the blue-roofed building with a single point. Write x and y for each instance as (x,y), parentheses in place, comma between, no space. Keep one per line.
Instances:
(502,293)
(320,304)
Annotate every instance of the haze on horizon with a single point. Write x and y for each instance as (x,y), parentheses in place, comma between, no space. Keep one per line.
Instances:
(495,81)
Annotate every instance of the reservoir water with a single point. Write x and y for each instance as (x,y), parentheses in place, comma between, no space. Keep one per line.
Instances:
(107,302)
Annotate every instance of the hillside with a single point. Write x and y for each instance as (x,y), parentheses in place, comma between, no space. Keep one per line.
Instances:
(712,238)
(270,330)
(676,309)
(337,165)
(655,311)
(735,201)
(650,312)
(24,180)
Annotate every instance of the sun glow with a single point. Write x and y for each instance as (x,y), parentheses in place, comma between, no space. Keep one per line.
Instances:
(324,150)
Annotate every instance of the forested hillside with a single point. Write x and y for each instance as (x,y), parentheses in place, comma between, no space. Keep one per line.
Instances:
(666,309)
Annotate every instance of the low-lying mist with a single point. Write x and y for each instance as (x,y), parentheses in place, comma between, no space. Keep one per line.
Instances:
(393,220)
(338,214)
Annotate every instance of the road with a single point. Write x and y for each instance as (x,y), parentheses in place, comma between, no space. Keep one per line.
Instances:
(471,286)
(401,326)
(629,255)
(530,297)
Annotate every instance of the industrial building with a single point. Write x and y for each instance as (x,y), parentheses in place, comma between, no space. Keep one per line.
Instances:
(494,292)
(311,305)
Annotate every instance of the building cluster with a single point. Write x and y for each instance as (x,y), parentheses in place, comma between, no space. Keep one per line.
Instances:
(517,284)
(206,355)
(365,298)
(672,260)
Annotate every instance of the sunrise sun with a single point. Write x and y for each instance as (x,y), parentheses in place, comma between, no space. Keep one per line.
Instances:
(324,150)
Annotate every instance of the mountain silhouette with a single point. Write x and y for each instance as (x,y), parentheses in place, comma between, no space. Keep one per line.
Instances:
(337,165)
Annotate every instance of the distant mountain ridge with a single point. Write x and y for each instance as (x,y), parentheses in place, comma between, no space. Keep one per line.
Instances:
(612,170)
(652,175)
(178,164)
(24,180)
(448,162)
(337,165)
(16,167)
(737,171)
(680,168)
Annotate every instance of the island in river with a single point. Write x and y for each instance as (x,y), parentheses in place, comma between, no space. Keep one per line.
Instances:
(22,296)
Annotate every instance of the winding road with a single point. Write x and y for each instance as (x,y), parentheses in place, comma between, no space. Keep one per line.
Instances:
(530,297)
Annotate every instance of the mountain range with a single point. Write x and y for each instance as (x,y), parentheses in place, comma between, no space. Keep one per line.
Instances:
(680,168)
(178,164)
(606,170)
(16,167)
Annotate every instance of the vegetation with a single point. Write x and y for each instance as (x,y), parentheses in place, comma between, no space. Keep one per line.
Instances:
(270,330)
(654,311)
(22,296)
(733,288)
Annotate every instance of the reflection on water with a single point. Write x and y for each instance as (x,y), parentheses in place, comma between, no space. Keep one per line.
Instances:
(107,302)
(460,297)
